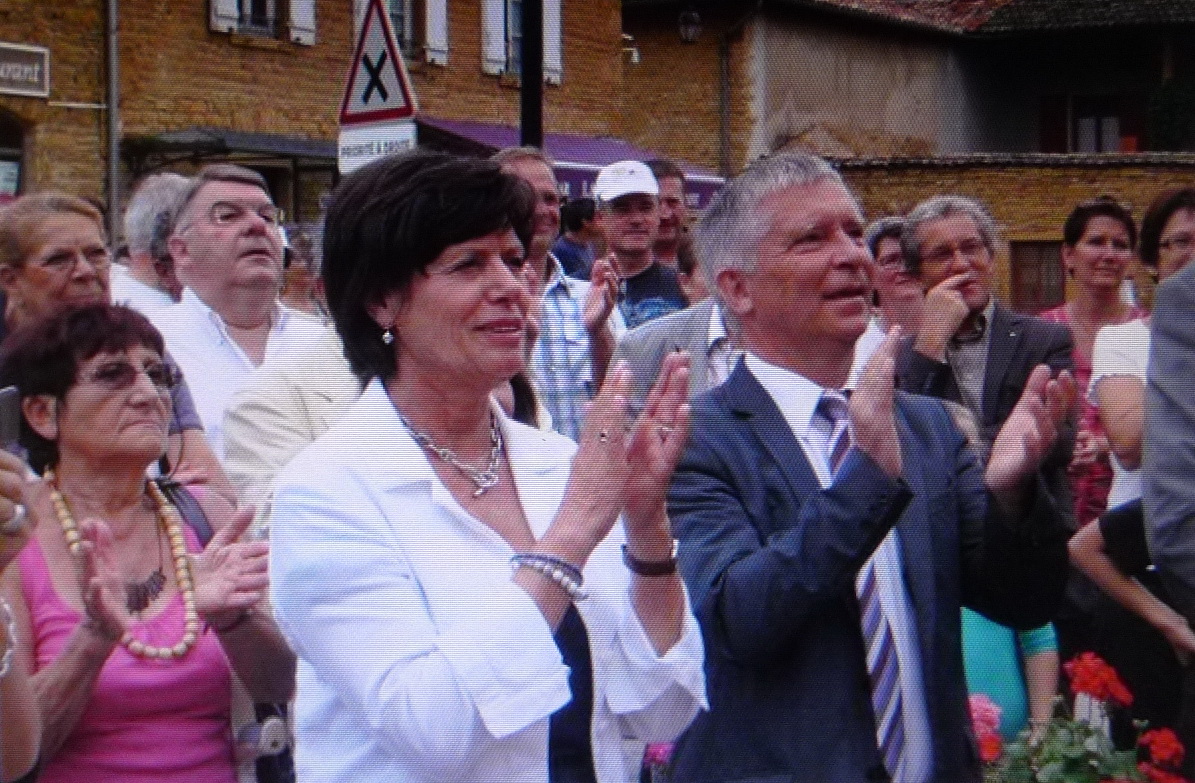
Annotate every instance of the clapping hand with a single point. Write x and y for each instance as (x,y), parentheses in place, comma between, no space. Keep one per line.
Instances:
(103,586)
(873,423)
(602,295)
(14,523)
(231,575)
(1030,430)
(656,441)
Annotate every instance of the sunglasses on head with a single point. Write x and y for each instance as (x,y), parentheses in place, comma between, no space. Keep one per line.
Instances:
(117,375)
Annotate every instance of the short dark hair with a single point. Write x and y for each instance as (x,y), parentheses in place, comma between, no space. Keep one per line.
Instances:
(575,212)
(1157,215)
(216,172)
(1101,206)
(43,357)
(389,220)
(662,167)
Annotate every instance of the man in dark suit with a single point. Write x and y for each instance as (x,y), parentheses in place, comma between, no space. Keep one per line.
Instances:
(970,349)
(828,545)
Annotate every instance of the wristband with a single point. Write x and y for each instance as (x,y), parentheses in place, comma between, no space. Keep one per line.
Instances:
(650,567)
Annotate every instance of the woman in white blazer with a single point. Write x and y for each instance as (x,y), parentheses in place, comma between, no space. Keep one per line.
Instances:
(472,599)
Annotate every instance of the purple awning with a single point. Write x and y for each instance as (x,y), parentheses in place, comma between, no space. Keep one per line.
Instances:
(578,158)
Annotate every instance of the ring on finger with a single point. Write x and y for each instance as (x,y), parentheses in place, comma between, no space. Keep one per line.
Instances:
(664,429)
(16,522)
(604,436)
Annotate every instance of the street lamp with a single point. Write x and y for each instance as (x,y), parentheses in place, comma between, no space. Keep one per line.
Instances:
(689,25)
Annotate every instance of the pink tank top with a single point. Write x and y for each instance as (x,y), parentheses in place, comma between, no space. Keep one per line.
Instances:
(146,720)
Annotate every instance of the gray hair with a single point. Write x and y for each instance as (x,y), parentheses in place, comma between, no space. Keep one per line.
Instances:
(151,211)
(514,154)
(937,208)
(728,234)
(891,227)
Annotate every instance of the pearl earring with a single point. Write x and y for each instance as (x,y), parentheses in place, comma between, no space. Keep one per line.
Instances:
(387,336)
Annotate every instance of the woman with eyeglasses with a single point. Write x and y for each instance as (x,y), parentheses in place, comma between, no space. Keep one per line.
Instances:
(54,254)
(1098,240)
(131,630)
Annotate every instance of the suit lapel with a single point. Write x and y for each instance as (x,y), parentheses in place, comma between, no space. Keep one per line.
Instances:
(747,398)
(1005,338)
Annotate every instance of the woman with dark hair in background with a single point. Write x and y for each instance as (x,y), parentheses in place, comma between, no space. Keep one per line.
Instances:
(1140,634)
(472,599)
(1098,240)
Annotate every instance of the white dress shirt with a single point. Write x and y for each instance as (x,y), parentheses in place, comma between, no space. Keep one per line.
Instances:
(128,290)
(419,658)
(215,366)
(797,397)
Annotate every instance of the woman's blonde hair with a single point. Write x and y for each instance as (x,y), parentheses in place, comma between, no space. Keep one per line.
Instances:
(19,218)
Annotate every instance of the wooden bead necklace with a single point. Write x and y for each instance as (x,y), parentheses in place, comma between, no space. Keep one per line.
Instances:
(169,520)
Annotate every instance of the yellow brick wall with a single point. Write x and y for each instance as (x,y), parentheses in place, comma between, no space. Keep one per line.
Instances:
(672,93)
(1029,203)
(176,73)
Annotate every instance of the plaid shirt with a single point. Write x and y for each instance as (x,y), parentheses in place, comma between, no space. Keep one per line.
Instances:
(561,360)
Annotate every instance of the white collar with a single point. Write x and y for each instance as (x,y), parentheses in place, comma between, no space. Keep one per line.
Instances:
(795,395)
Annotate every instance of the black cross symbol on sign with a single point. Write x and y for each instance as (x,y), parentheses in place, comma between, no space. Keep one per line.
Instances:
(375,77)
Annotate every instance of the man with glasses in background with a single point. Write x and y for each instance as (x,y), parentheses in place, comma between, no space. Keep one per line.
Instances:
(227,250)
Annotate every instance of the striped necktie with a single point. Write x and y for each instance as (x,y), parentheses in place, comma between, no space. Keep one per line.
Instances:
(883,668)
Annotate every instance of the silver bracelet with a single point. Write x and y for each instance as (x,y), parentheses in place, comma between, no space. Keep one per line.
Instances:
(555,569)
(10,623)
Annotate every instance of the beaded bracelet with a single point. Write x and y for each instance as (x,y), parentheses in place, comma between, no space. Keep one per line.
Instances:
(566,575)
(11,627)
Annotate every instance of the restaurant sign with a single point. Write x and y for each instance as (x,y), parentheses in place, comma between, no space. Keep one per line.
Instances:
(24,70)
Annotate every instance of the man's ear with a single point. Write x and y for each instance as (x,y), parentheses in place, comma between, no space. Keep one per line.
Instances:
(733,291)
(41,411)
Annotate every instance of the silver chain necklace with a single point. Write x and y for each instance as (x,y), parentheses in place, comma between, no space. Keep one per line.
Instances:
(483,479)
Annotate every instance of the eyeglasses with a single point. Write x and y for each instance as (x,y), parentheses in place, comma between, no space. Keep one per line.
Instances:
(64,262)
(1179,243)
(891,262)
(969,249)
(226,213)
(118,376)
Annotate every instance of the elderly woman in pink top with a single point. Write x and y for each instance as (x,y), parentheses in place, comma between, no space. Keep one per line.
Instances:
(131,629)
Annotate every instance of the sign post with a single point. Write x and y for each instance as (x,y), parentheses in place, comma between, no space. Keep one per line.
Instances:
(377,114)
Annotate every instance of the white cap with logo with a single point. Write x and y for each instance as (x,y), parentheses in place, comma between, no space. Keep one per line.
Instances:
(622,179)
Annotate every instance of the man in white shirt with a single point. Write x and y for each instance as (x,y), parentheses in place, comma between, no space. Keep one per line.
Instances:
(578,321)
(147,281)
(228,253)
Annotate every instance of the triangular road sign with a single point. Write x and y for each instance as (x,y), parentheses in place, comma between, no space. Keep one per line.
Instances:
(378,88)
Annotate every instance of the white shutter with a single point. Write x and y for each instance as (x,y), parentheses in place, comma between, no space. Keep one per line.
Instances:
(302,22)
(553,66)
(224,16)
(436,33)
(358,18)
(493,36)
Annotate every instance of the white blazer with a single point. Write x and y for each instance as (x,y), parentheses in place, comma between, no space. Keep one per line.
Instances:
(419,658)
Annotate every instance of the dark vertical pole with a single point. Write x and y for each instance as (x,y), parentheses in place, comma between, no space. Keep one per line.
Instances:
(531,58)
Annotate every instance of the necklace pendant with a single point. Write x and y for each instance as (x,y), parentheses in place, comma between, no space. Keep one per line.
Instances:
(484,480)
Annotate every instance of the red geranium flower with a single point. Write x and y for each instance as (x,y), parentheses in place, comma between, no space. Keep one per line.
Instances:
(1165,749)
(1155,774)
(1090,674)
(990,747)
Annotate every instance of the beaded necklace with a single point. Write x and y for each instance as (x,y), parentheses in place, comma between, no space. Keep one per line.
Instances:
(169,520)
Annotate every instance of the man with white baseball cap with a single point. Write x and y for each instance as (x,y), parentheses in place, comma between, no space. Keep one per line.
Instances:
(628,215)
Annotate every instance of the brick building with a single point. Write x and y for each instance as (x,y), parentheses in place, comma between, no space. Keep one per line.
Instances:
(1030,105)
(260,82)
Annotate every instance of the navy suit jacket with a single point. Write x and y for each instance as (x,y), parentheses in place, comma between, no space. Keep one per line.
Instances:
(770,559)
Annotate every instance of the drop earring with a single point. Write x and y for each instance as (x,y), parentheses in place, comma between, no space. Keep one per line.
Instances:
(387,336)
